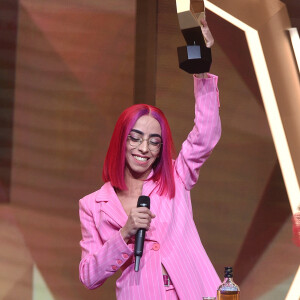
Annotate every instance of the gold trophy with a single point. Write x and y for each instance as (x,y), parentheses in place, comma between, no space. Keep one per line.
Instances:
(196,56)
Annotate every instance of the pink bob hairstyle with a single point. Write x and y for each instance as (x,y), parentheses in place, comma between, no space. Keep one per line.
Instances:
(114,164)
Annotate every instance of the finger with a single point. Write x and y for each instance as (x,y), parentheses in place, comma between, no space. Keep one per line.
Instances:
(144,222)
(144,218)
(209,40)
(203,23)
(143,225)
(150,216)
(146,211)
(143,209)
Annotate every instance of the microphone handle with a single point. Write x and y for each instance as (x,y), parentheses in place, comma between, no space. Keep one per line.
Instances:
(139,247)
(143,201)
(139,242)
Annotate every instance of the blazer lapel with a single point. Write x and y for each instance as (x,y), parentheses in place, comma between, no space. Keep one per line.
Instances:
(111,204)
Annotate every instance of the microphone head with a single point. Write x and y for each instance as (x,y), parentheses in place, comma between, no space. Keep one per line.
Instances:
(143,201)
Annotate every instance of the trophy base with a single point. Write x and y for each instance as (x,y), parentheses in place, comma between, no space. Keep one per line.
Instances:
(194,59)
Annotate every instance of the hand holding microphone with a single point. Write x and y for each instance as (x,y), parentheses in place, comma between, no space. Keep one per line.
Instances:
(138,222)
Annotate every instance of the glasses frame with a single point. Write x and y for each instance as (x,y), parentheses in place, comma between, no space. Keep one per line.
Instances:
(141,140)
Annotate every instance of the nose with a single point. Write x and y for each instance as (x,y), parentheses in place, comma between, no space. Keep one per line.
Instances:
(143,147)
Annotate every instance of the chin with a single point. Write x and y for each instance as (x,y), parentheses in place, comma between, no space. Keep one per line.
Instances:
(138,172)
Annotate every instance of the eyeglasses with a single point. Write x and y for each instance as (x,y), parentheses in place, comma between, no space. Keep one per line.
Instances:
(154,143)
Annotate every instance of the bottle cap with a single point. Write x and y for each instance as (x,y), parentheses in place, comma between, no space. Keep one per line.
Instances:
(228,272)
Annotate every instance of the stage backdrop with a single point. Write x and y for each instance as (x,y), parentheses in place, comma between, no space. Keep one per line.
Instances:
(67,72)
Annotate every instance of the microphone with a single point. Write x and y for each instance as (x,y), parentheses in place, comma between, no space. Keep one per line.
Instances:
(143,201)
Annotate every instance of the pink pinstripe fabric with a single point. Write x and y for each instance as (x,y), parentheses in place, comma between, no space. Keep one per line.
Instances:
(173,239)
(171,293)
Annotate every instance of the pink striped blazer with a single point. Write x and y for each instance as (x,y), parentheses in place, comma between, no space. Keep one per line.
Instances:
(172,239)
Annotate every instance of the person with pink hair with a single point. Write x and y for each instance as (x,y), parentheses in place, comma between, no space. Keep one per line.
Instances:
(140,161)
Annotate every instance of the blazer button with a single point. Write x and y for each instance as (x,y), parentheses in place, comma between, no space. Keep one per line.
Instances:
(156,247)
(119,262)
(125,255)
(115,268)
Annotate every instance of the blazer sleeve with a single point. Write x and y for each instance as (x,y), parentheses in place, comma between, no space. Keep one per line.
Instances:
(205,133)
(99,260)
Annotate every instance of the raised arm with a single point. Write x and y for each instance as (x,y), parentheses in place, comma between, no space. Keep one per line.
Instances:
(205,133)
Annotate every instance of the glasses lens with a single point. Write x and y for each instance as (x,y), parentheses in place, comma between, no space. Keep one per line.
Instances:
(134,141)
(154,144)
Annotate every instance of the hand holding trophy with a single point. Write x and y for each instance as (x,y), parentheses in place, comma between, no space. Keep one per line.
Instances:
(196,56)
